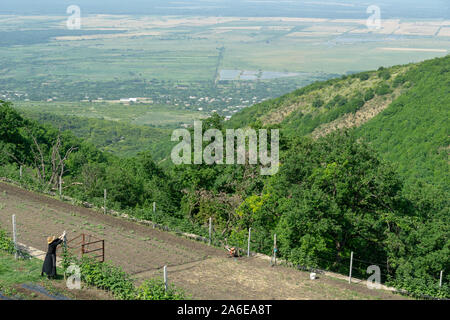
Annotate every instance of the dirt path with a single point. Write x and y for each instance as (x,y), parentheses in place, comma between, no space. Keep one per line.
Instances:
(202,271)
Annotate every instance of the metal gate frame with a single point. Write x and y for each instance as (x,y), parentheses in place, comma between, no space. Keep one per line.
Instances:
(84,243)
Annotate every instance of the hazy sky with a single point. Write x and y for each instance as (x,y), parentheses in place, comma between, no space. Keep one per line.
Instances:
(299,8)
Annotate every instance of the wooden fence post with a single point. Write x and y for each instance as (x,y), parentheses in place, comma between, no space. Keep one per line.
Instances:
(65,242)
(351,266)
(210,230)
(104,201)
(154,206)
(440,278)
(14,235)
(249,239)
(21,171)
(60,186)
(165,278)
(103,250)
(275,249)
(65,252)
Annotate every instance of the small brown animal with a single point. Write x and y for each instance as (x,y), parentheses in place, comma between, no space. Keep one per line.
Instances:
(232,252)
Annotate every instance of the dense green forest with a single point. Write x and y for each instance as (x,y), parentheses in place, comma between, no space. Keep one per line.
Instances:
(119,138)
(382,196)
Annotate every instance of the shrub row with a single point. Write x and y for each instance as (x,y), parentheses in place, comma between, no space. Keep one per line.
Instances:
(111,278)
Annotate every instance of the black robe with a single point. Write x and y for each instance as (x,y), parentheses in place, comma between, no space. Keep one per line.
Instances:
(49,266)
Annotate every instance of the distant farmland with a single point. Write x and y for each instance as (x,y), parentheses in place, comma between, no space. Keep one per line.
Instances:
(186,61)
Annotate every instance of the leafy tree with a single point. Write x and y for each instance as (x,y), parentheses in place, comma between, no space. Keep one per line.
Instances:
(419,247)
(338,197)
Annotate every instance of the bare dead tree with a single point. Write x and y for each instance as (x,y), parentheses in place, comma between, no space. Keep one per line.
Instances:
(57,161)
(38,158)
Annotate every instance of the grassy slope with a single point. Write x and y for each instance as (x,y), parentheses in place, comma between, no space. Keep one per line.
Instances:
(406,121)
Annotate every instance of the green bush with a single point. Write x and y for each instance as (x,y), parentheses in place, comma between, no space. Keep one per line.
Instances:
(317,103)
(6,244)
(369,95)
(355,104)
(154,290)
(399,80)
(363,76)
(384,74)
(11,171)
(106,276)
(420,288)
(337,101)
(383,89)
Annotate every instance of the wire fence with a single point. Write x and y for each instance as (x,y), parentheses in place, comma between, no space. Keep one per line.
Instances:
(323,262)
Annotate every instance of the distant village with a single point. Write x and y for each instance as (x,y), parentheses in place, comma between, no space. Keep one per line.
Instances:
(202,104)
(225,98)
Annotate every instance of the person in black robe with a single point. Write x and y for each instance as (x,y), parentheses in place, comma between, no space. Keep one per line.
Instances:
(49,266)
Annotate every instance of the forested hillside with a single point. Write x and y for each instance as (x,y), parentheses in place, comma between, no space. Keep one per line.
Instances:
(378,186)
(119,138)
(401,111)
(413,132)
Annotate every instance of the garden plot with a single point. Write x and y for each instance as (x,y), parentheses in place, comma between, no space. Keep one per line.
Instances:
(133,247)
(202,271)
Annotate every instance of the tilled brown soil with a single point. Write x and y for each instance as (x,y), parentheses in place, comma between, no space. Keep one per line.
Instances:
(134,247)
(202,271)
